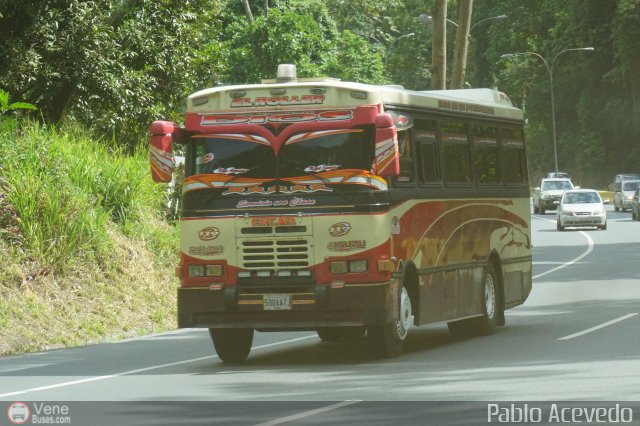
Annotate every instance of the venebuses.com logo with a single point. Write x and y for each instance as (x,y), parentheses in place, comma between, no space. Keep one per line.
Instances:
(18,413)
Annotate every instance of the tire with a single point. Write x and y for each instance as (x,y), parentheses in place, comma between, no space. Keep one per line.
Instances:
(559,227)
(541,209)
(388,339)
(536,209)
(603,227)
(341,334)
(232,344)
(615,206)
(634,215)
(488,322)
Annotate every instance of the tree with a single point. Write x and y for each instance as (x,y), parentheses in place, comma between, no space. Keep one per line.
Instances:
(304,35)
(113,65)
(439,43)
(462,44)
(247,10)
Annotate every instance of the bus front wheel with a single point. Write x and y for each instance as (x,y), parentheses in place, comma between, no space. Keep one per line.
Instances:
(388,339)
(232,344)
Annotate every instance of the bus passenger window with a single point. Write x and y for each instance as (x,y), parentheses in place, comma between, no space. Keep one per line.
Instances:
(456,153)
(405,145)
(485,140)
(514,164)
(425,132)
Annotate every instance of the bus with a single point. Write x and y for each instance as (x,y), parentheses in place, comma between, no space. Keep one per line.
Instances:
(356,211)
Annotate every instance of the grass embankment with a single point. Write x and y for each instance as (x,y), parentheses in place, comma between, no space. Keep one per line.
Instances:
(85,255)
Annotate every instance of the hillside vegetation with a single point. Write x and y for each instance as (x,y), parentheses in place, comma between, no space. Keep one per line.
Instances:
(85,255)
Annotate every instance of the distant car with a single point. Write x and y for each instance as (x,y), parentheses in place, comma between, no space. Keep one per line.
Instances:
(635,205)
(547,195)
(553,175)
(617,181)
(581,207)
(623,196)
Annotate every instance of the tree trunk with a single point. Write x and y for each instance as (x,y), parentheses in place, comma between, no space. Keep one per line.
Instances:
(439,46)
(247,10)
(266,8)
(462,44)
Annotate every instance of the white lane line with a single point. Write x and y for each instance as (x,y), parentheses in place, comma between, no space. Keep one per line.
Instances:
(140,370)
(308,413)
(577,259)
(598,327)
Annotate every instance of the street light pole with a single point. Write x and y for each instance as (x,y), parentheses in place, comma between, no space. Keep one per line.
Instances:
(550,71)
(386,57)
(486,19)
(427,20)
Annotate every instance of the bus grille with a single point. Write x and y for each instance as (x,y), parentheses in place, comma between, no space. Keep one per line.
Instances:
(275,254)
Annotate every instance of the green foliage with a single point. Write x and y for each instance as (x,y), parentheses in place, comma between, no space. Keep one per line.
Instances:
(114,65)
(61,191)
(283,37)
(301,33)
(5,106)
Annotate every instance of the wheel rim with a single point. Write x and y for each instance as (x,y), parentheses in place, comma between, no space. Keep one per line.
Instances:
(489,296)
(404,321)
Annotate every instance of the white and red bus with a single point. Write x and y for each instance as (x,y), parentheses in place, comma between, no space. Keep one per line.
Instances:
(353,210)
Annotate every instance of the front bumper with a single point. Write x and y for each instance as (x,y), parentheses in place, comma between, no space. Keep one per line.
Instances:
(324,306)
(566,220)
(550,203)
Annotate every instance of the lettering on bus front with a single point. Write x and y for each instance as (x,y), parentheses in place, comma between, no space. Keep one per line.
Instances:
(263,101)
(263,190)
(294,202)
(273,221)
(276,117)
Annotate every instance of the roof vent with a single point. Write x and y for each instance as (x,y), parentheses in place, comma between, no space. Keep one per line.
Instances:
(286,73)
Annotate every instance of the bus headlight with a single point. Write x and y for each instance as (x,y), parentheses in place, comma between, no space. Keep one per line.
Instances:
(213,270)
(339,267)
(358,266)
(342,267)
(196,271)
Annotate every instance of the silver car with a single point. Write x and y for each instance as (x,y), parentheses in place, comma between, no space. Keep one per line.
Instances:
(624,196)
(581,207)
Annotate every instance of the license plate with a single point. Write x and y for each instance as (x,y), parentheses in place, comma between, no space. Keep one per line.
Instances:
(276,302)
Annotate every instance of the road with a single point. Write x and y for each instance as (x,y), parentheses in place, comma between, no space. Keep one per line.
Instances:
(575,339)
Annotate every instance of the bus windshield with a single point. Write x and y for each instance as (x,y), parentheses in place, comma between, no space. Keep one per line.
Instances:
(306,153)
(317,152)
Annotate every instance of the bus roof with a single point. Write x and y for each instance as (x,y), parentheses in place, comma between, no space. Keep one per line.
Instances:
(320,93)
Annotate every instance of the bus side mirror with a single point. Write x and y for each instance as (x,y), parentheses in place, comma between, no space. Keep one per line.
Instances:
(161,150)
(387,157)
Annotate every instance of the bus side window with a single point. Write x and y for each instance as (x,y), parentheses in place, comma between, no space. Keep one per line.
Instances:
(425,132)
(405,145)
(485,142)
(455,142)
(514,164)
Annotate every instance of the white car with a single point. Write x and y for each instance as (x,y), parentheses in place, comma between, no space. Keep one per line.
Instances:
(581,207)
(547,194)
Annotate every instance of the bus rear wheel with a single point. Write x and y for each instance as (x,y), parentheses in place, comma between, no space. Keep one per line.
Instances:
(232,344)
(488,322)
(388,339)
